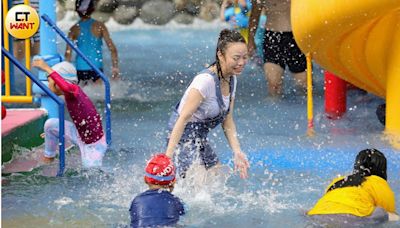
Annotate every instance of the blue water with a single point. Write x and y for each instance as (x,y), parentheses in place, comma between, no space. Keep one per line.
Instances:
(289,170)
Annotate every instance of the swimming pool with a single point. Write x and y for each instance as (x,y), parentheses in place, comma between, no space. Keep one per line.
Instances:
(289,171)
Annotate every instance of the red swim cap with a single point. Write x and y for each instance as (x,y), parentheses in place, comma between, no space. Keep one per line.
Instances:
(160,170)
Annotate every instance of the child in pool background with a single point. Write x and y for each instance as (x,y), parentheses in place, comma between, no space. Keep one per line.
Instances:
(88,35)
(86,131)
(236,12)
(157,207)
(363,197)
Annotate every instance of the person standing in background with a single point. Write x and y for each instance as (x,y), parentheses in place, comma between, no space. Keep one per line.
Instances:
(88,35)
(280,48)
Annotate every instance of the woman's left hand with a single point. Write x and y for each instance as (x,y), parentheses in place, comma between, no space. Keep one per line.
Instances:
(241,164)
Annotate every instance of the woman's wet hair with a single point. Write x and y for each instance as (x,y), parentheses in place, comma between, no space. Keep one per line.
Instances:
(84,8)
(226,36)
(368,162)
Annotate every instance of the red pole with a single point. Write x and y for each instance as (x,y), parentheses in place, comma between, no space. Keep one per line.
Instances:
(335,96)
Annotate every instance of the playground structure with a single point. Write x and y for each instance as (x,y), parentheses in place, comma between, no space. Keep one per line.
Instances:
(359,41)
(48,49)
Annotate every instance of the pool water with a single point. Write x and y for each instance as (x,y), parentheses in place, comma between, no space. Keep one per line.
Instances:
(289,170)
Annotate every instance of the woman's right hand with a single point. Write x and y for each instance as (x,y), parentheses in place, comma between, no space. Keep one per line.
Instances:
(241,164)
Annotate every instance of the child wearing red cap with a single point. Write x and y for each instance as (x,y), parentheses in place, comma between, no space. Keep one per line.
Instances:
(157,206)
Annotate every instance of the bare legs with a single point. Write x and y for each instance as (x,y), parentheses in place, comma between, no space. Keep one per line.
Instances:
(274,77)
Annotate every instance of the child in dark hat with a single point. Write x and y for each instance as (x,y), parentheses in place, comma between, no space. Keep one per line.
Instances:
(157,206)
(88,34)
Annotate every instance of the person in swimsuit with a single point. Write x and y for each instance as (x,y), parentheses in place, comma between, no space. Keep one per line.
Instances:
(157,207)
(280,48)
(88,35)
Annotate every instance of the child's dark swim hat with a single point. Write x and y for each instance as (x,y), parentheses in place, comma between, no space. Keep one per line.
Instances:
(84,7)
(160,170)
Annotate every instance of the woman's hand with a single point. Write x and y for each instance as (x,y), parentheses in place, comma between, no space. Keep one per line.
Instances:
(241,164)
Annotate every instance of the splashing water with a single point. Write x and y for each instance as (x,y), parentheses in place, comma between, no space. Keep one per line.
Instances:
(289,171)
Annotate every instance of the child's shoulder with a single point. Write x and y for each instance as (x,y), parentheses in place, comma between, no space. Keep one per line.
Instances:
(98,23)
(75,27)
(151,195)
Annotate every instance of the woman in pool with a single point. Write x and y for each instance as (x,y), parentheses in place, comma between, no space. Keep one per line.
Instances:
(364,197)
(206,103)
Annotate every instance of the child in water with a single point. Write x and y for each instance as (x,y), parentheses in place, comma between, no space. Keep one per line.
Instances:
(88,34)
(157,207)
(86,131)
(362,198)
(236,12)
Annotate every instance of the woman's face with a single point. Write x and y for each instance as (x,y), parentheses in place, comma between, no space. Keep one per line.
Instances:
(234,59)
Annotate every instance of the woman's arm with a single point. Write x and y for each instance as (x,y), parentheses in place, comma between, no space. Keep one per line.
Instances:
(239,158)
(192,103)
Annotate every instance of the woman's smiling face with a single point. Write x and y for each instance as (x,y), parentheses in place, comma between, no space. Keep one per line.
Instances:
(233,59)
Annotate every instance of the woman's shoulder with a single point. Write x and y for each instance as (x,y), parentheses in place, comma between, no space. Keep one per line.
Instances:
(204,77)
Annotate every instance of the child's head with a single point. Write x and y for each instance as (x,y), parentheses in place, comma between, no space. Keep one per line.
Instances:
(84,8)
(67,71)
(160,172)
(371,162)
(368,162)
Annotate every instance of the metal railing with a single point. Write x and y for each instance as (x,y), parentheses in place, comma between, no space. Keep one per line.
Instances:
(102,76)
(55,98)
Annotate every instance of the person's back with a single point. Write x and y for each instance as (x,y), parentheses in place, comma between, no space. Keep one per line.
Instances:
(88,35)
(356,200)
(89,43)
(155,208)
(362,198)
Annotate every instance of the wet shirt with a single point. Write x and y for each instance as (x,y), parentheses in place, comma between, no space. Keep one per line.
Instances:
(81,109)
(357,200)
(154,208)
(209,108)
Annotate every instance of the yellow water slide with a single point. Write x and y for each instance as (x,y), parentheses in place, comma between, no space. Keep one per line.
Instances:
(359,41)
